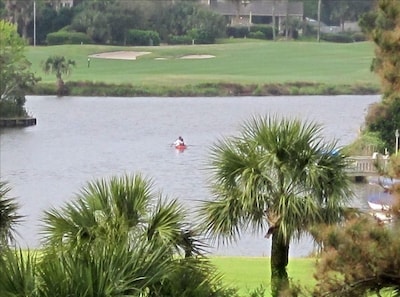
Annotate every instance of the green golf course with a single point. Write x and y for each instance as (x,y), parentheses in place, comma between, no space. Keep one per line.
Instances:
(251,273)
(258,67)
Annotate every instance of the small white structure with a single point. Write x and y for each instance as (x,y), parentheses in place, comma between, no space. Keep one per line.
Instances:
(64,4)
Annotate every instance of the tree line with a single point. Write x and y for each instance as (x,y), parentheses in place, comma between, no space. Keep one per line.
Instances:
(108,21)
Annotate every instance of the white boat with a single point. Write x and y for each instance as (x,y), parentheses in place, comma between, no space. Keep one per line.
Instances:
(383,217)
(383,181)
(382,200)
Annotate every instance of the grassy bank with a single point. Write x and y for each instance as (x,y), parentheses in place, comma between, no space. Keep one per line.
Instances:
(249,273)
(242,67)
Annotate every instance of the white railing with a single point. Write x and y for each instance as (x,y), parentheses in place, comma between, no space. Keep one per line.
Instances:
(364,165)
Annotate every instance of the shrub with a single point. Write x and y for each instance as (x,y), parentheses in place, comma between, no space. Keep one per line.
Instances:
(394,166)
(143,37)
(195,277)
(237,31)
(295,34)
(201,36)
(9,108)
(65,37)
(257,35)
(340,38)
(183,39)
(365,144)
(358,36)
(265,29)
(45,89)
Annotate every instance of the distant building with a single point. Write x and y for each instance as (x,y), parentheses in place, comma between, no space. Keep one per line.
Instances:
(64,4)
(257,11)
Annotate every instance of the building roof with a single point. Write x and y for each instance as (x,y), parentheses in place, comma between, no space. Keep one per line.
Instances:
(259,8)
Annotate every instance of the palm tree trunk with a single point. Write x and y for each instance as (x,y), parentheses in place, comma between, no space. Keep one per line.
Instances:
(279,262)
(319,21)
(60,87)
(273,21)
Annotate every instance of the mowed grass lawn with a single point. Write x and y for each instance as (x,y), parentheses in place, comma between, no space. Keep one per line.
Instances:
(236,61)
(249,273)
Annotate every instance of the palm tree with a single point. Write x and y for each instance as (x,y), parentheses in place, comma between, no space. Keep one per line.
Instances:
(119,210)
(106,270)
(8,215)
(125,212)
(280,174)
(59,66)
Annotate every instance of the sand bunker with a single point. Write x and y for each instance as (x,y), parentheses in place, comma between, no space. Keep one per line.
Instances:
(120,55)
(130,55)
(197,57)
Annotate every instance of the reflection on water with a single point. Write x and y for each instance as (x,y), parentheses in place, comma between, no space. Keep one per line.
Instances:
(80,139)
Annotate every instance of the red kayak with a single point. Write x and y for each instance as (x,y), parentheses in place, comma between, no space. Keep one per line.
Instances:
(180,147)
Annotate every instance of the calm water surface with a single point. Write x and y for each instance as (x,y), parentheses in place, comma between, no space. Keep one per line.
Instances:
(79,139)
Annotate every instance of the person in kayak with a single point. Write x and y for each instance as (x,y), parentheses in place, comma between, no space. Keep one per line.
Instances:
(179,141)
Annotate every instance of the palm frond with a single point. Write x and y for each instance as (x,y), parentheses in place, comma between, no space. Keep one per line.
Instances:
(9,217)
(17,273)
(104,270)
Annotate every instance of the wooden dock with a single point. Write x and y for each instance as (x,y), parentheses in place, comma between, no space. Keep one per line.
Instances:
(361,167)
(17,122)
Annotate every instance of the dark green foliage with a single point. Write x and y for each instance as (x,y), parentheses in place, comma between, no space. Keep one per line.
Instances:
(8,215)
(265,29)
(365,145)
(182,39)
(309,30)
(340,38)
(63,19)
(257,35)
(361,258)
(2,9)
(16,79)
(384,118)
(17,273)
(338,11)
(367,21)
(93,23)
(184,18)
(50,21)
(194,277)
(121,18)
(201,36)
(13,107)
(358,36)
(142,37)
(67,37)
(237,31)
(43,26)
(382,27)
(210,24)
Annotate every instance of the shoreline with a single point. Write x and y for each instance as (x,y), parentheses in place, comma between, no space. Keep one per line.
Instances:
(211,89)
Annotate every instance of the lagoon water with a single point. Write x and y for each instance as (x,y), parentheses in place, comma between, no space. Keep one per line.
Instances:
(79,139)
